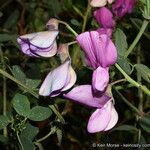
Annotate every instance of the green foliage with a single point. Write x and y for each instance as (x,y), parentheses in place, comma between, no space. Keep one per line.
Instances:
(145,123)
(27,144)
(126,128)
(39,113)
(4,121)
(29,132)
(20,75)
(125,64)
(120,42)
(21,104)
(143,71)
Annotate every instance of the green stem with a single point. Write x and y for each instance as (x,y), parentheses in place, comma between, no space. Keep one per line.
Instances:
(68,27)
(5,133)
(78,11)
(20,141)
(129,79)
(54,109)
(118,81)
(129,104)
(140,93)
(4,73)
(71,43)
(86,17)
(144,25)
(53,130)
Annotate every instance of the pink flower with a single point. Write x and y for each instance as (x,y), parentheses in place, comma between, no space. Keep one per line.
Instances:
(99,49)
(121,7)
(104,17)
(83,94)
(105,117)
(100,80)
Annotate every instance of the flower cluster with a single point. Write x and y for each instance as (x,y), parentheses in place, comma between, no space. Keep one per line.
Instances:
(100,54)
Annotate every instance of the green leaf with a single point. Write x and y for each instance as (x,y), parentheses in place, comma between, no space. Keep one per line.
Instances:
(21,104)
(75,22)
(4,121)
(39,113)
(120,42)
(29,132)
(145,123)
(32,83)
(27,143)
(138,23)
(126,128)
(125,65)
(18,73)
(144,71)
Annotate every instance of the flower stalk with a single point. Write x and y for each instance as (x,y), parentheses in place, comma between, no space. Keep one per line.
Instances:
(133,82)
(68,27)
(5,133)
(136,40)
(86,17)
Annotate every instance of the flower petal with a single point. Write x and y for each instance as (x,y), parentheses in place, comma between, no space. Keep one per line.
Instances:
(113,119)
(100,79)
(84,39)
(121,7)
(104,48)
(49,52)
(83,94)
(40,39)
(98,3)
(71,79)
(98,120)
(104,17)
(55,80)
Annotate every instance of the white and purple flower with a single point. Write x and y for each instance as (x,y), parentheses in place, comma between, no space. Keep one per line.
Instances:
(58,80)
(39,44)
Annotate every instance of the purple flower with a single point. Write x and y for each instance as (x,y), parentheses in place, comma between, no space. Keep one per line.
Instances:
(104,17)
(100,80)
(60,79)
(99,3)
(83,94)
(39,44)
(99,49)
(103,119)
(121,7)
